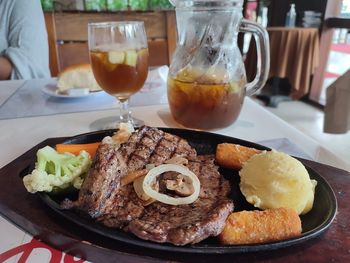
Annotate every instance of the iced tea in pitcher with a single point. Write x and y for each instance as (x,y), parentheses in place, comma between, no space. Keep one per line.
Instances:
(204,100)
(207,79)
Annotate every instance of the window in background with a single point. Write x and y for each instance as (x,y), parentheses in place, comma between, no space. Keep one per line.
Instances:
(339,54)
(256,11)
(345,8)
(250,10)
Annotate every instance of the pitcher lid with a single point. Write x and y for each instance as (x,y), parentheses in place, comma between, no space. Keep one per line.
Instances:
(189,3)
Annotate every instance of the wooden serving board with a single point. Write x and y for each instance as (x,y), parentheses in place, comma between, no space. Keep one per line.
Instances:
(29,213)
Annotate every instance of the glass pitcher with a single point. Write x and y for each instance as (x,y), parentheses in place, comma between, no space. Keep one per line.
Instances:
(207,79)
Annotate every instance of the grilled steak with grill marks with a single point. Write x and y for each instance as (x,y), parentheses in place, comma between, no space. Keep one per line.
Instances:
(189,224)
(103,197)
(101,190)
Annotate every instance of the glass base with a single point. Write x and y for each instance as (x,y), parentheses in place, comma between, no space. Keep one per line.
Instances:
(112,122)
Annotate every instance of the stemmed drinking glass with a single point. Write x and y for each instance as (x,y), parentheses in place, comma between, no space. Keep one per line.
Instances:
(119,60)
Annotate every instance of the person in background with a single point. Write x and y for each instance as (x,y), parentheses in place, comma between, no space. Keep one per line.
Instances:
(23,40)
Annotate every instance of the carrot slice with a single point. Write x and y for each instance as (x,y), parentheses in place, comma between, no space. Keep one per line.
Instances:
(76,148)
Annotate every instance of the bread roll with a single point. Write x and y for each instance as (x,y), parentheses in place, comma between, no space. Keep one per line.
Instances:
(77,77)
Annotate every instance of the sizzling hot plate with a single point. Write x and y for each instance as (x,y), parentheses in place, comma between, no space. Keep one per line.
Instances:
(313,223)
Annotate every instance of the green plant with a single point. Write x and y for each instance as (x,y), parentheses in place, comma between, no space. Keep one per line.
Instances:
(141,5)
(117,5)
(47,5)
(97,5)
(160,4)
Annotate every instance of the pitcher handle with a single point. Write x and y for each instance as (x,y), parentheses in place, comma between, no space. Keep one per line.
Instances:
(263,55)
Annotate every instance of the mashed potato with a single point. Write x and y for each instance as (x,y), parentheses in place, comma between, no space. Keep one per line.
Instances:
(273,179)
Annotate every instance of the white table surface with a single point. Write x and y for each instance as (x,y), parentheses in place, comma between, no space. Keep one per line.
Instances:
(19,135)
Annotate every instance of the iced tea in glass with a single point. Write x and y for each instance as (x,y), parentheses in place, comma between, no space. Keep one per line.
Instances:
(119,60)
(120,73)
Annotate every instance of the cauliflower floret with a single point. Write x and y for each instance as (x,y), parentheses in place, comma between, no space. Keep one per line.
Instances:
(55,170)
(121,136)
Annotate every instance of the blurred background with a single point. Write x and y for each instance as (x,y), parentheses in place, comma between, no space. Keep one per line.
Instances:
(105,5)
(317,50)
(330,17)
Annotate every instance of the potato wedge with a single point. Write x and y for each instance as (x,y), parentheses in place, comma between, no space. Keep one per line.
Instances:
(233,156)
(252,227)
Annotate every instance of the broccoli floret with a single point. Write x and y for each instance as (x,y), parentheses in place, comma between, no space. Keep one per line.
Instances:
(54,170)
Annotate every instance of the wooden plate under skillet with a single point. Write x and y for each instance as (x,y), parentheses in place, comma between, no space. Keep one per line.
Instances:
(41,216)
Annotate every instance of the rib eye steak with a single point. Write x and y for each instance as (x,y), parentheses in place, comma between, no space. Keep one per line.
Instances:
(104,198)
(191,223)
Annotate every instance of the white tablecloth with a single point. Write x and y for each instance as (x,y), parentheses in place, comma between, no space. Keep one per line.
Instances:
(20,134)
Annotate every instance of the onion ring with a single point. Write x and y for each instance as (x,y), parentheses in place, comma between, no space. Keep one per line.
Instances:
(166,199)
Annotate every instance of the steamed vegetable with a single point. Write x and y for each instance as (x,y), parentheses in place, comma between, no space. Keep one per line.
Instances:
(57,171)
(75,149)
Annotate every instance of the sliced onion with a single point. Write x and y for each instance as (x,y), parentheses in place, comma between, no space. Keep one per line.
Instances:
(146,200)
(139,189)
(150,179)
(150,166)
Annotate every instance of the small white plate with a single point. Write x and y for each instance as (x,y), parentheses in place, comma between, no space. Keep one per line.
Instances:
(52,90)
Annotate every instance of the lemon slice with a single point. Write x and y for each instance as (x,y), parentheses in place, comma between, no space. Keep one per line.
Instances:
(130,58)
(116,57)
(143,52)
(234,87)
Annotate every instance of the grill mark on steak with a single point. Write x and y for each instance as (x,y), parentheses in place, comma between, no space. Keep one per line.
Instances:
(156,149)
(189,224)
(104,199)
(125,206)
(111,163)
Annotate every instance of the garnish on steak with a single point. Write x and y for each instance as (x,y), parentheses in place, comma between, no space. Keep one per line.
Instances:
(104,198)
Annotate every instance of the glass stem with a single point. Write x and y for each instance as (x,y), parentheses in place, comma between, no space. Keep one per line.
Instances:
(125,114)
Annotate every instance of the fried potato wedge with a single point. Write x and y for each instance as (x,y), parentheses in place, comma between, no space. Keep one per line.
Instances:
(252,227)
(233,156)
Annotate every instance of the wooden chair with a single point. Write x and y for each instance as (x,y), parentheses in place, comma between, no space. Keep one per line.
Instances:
(67,35)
